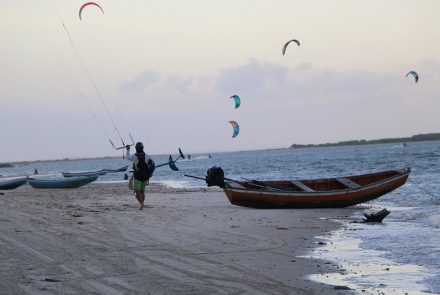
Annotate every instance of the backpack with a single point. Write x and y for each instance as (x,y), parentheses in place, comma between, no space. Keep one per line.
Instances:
(144,170)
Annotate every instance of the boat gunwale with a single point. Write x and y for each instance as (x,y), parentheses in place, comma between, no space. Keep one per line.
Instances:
(100,172)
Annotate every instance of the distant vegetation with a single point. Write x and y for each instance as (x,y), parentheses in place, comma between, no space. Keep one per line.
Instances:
(13,164)
(6,165)
(418,137)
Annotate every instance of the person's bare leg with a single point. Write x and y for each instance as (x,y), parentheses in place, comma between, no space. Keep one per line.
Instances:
(138,196)
(143,196)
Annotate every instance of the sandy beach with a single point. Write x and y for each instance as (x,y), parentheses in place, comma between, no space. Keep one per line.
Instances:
(94,240)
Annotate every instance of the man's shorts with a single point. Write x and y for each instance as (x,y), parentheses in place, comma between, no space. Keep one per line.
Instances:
(139,185)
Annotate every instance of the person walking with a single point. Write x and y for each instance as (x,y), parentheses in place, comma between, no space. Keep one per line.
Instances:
(143,168)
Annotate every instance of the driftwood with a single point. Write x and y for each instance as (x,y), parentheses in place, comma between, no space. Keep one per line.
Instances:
(376,216)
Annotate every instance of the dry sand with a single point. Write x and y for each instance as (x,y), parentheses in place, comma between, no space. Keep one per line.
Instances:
(94,240)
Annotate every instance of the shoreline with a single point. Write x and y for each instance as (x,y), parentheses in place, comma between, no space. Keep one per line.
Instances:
(186,241)
(367,268)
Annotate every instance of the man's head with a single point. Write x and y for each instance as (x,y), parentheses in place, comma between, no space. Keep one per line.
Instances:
(139,147)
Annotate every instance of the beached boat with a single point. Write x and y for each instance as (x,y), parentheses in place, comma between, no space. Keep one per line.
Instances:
(71,182)
(11,183)
(315,193)
(122,169)
(85,173)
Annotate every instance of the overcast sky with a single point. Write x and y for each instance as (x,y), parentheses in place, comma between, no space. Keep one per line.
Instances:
(164,71)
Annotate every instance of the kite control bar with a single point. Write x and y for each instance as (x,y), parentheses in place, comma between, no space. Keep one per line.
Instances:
(123,144)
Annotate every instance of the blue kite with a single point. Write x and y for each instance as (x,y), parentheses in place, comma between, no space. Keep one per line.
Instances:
(235,127)
(237,100)
(414,74)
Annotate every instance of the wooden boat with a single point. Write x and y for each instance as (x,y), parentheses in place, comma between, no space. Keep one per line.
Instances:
(71,182)
(12,182)
(85,173)
(316,193)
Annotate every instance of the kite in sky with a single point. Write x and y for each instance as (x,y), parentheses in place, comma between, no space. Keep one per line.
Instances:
(287,43)
(414,74)
(88,4)
(237,100)
(235,127)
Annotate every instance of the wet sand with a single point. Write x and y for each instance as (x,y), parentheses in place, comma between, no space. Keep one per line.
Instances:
(94,240)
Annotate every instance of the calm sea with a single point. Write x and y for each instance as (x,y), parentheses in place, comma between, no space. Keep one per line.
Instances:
(408,240)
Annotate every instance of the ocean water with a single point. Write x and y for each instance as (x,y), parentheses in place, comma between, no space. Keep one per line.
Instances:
(403,253)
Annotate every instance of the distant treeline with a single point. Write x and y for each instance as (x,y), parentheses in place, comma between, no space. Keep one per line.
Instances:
(6,165)
(13,164)
(418,137)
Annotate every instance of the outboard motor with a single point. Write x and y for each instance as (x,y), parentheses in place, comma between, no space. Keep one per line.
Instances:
(215,176)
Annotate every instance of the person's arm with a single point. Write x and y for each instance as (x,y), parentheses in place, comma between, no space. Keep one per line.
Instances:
(127,153)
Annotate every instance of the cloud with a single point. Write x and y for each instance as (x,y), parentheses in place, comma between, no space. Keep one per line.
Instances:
(271,83)
(252,77)
(140,82)
(282,105)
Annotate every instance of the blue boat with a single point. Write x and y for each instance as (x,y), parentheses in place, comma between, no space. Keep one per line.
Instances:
(71,182)
(85,173)
(122,169)
(12,182)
